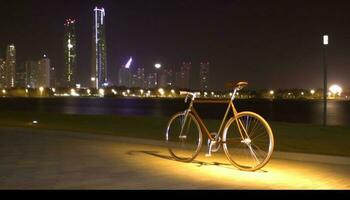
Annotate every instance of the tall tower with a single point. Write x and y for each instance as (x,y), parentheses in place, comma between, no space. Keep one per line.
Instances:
(141,77)
(124,75)
(10,67)
(43,73)
(70,53)
(31,68)
(182,78)
(204,76)
(99,50)
(21,75)
(166,78)
(2,73)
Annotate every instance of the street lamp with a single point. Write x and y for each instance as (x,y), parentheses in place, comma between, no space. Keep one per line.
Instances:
(312,92)
(158,66)
(336,90)
(325,43)
(41,89)
(161,91)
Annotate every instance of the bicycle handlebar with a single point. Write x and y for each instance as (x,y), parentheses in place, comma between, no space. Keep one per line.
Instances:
(189,94)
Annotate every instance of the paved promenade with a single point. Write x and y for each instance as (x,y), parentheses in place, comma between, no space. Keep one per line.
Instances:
(34,159)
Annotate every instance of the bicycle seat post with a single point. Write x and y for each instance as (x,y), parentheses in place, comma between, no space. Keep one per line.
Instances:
(234,94)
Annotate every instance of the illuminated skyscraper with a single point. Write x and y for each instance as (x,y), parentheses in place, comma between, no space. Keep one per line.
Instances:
(70,53)
(99,51)
(2,73)
(182,78)
(151,81)
(204,76)
(31,68)
(10,66)
(124,75)
(43,73)
(138,79)
(166,78)
(21,75)
(141,77)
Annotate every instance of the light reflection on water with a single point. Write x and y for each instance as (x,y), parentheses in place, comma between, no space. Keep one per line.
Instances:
(278,110)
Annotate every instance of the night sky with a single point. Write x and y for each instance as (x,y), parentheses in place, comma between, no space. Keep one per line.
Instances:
(271,44)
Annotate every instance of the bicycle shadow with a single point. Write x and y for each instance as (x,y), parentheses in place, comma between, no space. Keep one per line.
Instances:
(197,162)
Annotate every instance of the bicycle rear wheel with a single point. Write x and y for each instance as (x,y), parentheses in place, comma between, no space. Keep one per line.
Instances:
(184,137)
(248,141)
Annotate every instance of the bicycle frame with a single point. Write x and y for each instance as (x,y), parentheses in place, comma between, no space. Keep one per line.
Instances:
(231,106)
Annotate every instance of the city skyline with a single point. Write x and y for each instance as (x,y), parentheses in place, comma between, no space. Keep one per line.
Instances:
(235,44)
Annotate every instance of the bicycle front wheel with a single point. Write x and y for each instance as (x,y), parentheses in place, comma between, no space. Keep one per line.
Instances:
(184,137)
(248,141)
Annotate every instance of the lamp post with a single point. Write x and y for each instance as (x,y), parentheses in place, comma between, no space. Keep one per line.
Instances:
(325,43)
(41,89)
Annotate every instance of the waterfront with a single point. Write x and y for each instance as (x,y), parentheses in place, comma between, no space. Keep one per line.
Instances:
(298,111)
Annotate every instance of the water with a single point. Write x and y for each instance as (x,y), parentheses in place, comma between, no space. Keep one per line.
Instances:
(278,110)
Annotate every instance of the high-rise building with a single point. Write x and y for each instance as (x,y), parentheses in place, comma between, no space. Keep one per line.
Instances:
(53,78)
(151,81)
(178,78)
(31,68)
(124,77)
(99,50)
(43,73)
(10,66)
(134,81)
(21,75)
(70,53)
(166,78)
(140,77)
(204,76)
(182,78)
(2,73)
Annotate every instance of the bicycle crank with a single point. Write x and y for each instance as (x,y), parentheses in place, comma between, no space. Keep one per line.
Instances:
(214,145)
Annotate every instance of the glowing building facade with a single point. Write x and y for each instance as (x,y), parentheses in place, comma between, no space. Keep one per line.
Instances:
(165,78)
(31,68)
(43,73)
(99,50)
(21,76)
(204,76)
(151,81)
(182,78)
(2,73)
(70,53)
(138,79)
(10,66)
(124,75)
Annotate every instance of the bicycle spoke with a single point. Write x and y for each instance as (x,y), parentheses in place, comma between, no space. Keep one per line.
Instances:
(184,137)
(253,129)
(260,134)
(260,150)
(257,128)
(251,152)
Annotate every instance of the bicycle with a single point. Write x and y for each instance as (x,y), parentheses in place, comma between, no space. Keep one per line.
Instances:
(246,138)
